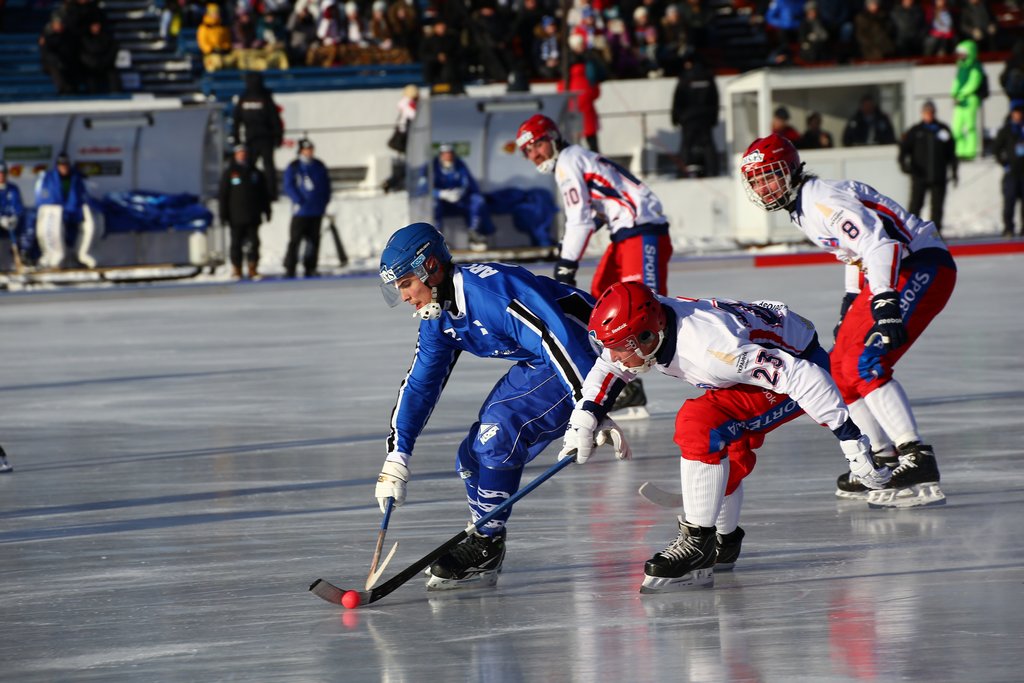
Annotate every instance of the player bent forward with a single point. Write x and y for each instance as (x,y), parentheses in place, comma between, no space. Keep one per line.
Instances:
(899,275)
(491,310)
(761,366)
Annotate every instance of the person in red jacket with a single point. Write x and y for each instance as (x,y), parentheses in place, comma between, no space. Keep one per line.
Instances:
(586,71)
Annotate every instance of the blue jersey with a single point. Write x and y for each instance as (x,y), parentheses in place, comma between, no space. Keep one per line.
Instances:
(11,205)
(308,185)
(498,311)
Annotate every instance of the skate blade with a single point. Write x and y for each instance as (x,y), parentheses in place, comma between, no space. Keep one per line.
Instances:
(919,495)
(698,578)
(851,495)
(481,580)
(630,413)
(724,566)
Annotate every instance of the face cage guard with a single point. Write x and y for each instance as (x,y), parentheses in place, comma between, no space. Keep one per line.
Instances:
(547,166)
(773,173)
(632,343)
(389,288)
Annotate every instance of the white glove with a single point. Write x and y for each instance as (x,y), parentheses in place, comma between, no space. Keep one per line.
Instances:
(609,431)
(6,222)
(858,454)
(579,437)
(391,484)
(452,194)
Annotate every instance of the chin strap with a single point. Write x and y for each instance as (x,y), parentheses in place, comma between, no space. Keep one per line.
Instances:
(548,166)
(431,311)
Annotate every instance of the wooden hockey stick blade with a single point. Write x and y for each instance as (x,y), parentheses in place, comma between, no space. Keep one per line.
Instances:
(388,508)
(660,497)
(331,593)
(375,574)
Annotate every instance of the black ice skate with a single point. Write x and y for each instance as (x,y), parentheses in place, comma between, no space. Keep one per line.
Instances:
(914,483)
(687,561)
(849,486)
(727,549)
(476,562)
(631,403)
(5,466)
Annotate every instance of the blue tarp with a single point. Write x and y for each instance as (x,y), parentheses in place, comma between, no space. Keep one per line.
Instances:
(533,211)
(140,211)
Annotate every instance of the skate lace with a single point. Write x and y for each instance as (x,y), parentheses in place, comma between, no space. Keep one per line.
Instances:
(683,546)
(907,462)
(472,552)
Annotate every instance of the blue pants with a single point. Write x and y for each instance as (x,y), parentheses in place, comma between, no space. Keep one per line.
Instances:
(526,410)
(472,208)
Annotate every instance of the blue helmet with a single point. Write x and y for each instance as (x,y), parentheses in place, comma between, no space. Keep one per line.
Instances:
(406,252)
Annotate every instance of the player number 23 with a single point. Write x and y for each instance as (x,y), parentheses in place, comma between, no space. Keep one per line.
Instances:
(764,373)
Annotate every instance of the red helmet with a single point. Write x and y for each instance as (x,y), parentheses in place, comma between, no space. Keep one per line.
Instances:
(537,127)
(627,316)
(770,171)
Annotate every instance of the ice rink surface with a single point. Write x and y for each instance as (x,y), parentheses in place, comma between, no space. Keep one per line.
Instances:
(189,458)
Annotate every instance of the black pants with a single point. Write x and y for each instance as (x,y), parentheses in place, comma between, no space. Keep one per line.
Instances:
(918,188)
(698,149)
(264,150)
(1013,192)
(303,228)
(242,233)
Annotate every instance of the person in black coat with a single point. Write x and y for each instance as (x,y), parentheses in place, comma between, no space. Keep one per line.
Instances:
(98,53)
(928,156)
(1009,151)
(256,123)
(695,111)
(57,56)
(869,126)
(244,201)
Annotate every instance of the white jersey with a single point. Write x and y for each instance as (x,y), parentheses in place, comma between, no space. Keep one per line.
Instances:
(863,228)
(593,186)
(719,343)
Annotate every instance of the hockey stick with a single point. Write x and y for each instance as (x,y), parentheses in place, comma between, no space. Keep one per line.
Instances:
(338,246)
(331,593)
(660,497)
(374,571)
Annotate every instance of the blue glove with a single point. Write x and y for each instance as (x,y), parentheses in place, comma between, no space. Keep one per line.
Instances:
(888,329)
(565,271)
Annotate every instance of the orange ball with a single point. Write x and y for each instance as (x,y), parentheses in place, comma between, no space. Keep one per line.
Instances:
(351,599)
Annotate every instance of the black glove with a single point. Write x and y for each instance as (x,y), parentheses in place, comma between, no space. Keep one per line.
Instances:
(847,302)
(565,271)
(885,309)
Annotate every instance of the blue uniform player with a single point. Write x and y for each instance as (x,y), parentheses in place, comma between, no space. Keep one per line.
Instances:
(491,310)
(456,193)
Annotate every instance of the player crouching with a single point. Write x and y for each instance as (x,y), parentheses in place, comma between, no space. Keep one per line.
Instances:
(752,387)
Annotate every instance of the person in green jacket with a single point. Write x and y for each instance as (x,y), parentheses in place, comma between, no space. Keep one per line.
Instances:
(965,100)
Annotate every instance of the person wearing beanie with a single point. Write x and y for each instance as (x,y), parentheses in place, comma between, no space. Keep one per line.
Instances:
(308,184)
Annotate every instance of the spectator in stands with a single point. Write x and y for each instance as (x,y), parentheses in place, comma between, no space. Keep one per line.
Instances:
(674,41)
(625,62)
(456,193)
(645,40)
(488,28)
(815,40)
(697,18)
(782,17)
(1012,76)
(523,38)
(378,30)
(98,56)
(244,31)
(405,29)
(214,40)
(256,123)
(80,14)
(781,125)
(939,41)
(695,111)
(547,63)
(244,203)
(1009,151)
(977,24)
(868,126)
(442,59)
(64,186)
(57,56)
(355,30)
(586,73)
(928,156)
(12,212)
(815,137)
(302,27)
(873,32)
(837,15)
(329,33)
(308,184)
(909,28)
(966,100)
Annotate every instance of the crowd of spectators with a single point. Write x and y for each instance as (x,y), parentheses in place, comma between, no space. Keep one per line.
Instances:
(78,51)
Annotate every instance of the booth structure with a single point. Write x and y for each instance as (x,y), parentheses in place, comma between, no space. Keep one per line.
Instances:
(482,131)
(835,93)
(153,145)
